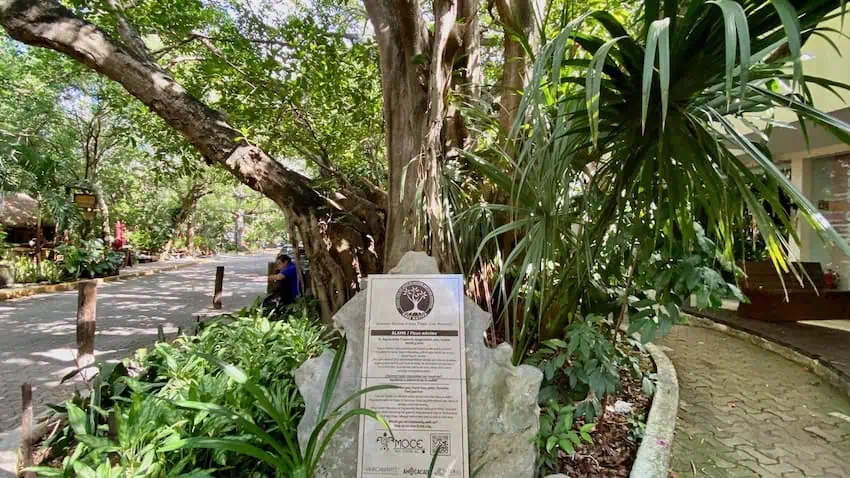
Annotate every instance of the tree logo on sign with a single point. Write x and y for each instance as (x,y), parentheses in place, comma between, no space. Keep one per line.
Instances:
(414,300)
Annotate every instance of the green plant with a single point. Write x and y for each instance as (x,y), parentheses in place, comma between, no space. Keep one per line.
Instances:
(90,259)
(28,271)
(599,179)
(50,271)
(149,239)
(139,398)
(286,457)
(559,433)
(583,369)
(637,428)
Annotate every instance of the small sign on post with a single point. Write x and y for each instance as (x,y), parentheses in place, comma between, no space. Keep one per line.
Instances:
(85,201)
(414,340)
(271,271)
(219,284)
(86,322)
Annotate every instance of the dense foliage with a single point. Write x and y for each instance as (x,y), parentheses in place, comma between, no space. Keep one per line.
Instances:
(624,193)
(595,211)
(141,411)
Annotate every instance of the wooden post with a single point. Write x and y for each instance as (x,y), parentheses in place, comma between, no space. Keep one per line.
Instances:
(26,428)
(271,270)
(86,322)
(219,283)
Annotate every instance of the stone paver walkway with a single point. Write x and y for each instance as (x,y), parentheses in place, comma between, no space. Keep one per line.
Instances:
(745,411)
(825,340)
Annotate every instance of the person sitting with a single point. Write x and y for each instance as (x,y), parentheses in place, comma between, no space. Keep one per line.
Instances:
(286,281)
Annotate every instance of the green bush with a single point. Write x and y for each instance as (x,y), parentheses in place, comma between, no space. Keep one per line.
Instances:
(27,271)
(150,241)
(141,412)
(90,259)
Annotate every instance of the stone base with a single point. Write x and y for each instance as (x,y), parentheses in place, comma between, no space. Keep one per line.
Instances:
(503,415)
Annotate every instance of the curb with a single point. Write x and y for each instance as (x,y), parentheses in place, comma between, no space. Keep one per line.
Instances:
(822,369)
(653,455)
(66,286)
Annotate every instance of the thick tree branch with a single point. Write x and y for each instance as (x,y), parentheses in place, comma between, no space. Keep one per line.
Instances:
(129,34)
(47,24)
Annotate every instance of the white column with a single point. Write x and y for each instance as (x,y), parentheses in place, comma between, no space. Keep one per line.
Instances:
(802,173)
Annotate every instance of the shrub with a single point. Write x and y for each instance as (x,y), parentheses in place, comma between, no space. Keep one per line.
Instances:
(90,259)
(150,241)
(140,412)
(27,271)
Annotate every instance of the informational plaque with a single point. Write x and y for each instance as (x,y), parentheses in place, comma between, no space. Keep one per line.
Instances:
(415,341)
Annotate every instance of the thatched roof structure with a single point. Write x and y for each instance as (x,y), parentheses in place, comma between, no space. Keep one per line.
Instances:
(18,210)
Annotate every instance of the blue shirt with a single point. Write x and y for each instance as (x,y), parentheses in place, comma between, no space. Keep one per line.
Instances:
(290,273)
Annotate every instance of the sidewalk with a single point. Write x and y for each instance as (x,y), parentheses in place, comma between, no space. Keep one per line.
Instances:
(827,341)
(748,412)
(138,270)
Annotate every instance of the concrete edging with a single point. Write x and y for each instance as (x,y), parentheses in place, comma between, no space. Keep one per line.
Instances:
(653,455)
(817,367)
(9,294)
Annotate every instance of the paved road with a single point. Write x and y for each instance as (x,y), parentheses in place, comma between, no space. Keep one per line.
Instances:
(745,411)
(37,334)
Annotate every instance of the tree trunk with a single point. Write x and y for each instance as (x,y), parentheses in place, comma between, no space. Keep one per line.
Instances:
(190,236)
(39,230)
(523,17)
(416,76)
(46,23)
(105,227)
(238,222)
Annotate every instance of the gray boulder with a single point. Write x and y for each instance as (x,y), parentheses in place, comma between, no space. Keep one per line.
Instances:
(503,415)
(7,275)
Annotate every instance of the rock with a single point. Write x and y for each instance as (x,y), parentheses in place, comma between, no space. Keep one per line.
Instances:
(620,407)
(503,415)
(7,275)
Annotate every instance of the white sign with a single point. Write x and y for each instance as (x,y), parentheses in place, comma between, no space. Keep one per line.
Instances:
(414,340)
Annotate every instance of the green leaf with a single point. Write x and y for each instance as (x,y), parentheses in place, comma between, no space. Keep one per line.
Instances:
(550,443)
(233,372)
(810,212)
(594,84)
(555,344)
(658,39)
(737,33)
(77,419)
(235,445)
(791,24)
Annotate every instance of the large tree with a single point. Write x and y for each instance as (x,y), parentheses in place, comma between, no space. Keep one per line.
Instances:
(357,225)
(49,24)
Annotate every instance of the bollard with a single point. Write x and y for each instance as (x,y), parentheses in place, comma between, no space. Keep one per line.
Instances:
(271,271)
(219,283)
(86,322)
(26,428)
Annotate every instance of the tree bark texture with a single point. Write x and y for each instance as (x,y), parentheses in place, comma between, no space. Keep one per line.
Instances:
(105,226)
(46,23)
(520,17)
(416,76)
(86,322)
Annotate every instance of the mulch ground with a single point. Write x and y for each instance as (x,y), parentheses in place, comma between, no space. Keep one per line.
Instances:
(613,450)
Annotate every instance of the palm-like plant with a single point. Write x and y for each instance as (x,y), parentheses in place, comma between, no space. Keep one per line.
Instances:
(623,149)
